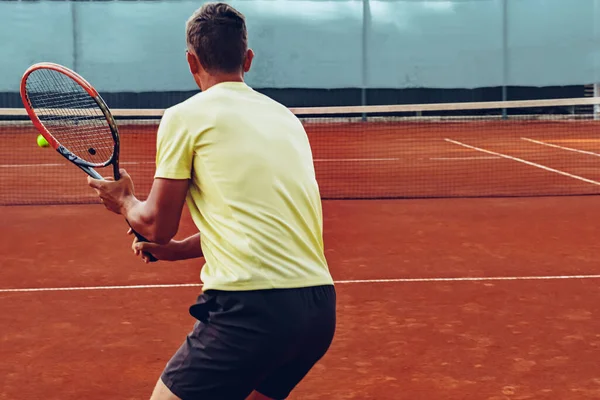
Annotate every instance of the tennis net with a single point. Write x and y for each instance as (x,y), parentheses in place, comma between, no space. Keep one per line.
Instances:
(489,149)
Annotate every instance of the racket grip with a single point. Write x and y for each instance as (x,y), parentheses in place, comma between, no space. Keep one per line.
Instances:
(140,238)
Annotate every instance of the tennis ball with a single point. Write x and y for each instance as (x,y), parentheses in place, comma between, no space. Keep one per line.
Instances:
(42,142)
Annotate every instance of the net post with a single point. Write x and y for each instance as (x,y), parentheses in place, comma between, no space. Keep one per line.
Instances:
(363,102)
(597,106)
(504,98)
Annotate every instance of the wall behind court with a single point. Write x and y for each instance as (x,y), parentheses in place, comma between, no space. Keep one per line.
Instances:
(138,46)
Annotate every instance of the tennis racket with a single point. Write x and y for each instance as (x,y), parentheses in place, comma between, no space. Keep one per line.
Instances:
(70,114)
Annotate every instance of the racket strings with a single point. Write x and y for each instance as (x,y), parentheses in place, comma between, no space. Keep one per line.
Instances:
(70,115)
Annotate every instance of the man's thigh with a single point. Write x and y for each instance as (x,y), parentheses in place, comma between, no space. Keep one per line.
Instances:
(161,392)
(242,339)
(225,355)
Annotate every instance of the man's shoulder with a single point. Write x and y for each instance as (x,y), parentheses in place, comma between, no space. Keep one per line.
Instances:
(184,106)
(192,109)
(208,105)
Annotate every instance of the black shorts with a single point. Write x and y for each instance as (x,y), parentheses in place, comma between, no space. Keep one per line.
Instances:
(265,340)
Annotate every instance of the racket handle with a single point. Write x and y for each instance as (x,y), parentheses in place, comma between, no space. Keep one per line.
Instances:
(140,238)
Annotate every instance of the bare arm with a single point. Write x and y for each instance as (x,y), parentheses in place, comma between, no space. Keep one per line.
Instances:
(175,250)
(157,218)
(190,247)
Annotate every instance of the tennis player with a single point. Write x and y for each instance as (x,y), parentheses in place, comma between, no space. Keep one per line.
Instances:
(267,313)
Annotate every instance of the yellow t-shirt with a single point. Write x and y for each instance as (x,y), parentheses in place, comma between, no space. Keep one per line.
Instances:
(253,193)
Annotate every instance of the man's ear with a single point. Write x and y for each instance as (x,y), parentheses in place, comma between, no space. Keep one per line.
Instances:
(248,60)
(193,62)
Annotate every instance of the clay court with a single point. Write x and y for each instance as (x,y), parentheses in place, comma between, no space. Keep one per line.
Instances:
(465,256)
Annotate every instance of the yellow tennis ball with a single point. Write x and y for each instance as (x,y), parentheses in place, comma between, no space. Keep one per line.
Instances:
(42,142)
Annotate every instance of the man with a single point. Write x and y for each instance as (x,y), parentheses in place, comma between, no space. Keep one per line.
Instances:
(244,163)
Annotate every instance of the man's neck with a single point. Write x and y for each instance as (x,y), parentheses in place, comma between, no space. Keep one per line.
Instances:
(212,80)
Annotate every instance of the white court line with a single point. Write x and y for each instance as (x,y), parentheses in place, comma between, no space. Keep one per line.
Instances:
(61,165)
(465,158)
(29,165)
(152,162)
(340,282)
(525,162)
(316,160)
(354,159)
(591,153)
